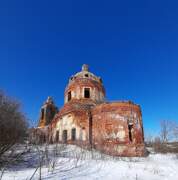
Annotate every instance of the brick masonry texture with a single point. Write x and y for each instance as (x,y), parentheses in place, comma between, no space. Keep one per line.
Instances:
(88,120)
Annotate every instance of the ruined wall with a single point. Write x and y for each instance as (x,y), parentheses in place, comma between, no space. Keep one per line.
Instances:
(117,129)
(38,135)
(104,126)
(77,119)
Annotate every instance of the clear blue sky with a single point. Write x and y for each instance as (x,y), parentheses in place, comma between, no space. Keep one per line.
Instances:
(132,45)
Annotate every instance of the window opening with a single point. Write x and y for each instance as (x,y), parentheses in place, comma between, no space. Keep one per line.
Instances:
(64,136)
(130,127)
(57,136)
(73,134)
(87,92)
(69,96)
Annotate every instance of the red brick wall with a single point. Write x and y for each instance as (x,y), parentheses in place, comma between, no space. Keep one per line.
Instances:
(77,86)
(110,128)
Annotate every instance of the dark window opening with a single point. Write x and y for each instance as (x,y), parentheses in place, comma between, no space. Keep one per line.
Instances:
(57,136)
(42,113)
(64,136)
(51,140)
(69,96)
(130,127)
(73,134)
(86,75)
(87,93)
(52,113)
(81,135)
(44,139)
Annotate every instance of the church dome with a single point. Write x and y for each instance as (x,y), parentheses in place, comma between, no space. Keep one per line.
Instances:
(84,85)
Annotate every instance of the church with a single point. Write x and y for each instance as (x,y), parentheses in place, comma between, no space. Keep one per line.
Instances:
(88,120)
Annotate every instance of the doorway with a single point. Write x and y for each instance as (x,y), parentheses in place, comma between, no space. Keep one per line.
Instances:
(57,136)
(73,134)
(64,136)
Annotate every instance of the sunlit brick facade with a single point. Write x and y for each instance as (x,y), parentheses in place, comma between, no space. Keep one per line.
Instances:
(88,120)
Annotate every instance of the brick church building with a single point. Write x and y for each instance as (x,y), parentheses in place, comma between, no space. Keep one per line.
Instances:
(88,120)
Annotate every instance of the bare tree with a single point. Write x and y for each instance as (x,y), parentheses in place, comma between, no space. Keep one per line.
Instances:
(166,130)
(168,135)
(13,123)
(175,130)
(149,139)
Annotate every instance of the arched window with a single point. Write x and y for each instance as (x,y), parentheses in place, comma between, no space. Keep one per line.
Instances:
(69,97)
(44,138)
(130,127)
(42,113)
(57,136)
(64,136)
(81,135)
(73,134)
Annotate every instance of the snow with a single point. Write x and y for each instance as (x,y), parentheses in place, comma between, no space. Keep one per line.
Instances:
(71,162)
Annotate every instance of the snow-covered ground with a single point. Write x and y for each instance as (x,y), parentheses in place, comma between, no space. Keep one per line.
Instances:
(61,162)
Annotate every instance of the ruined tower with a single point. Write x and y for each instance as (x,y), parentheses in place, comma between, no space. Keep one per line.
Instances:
(47,113)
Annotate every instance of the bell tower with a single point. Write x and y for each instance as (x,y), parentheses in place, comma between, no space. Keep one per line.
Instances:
(47,113)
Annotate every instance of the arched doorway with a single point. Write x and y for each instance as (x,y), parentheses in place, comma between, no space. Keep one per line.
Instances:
(73,134)
(57,136)
(64,136)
